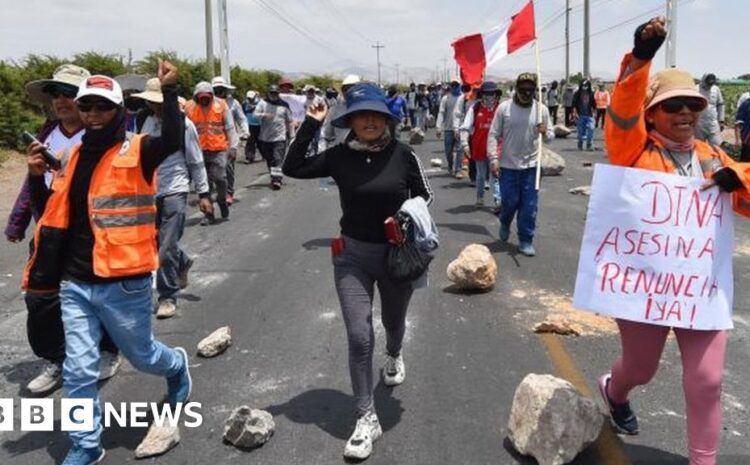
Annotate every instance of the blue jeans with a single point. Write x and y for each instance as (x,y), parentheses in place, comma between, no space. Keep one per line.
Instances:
(453,152)
(585,129)
(483,167)
(170,222)
(519,195)
(123,308)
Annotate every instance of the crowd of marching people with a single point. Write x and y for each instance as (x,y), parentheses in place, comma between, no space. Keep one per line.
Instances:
(111,206)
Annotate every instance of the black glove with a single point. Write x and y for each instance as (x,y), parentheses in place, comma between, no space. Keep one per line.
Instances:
(727,180)
(646,49)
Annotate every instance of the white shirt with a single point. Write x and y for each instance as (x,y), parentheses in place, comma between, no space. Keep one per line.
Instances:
(57,141)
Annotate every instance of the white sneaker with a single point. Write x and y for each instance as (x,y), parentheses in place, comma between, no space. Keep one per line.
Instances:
(394,370)
(167,309)
(48,380)
(109,364)
(367,431)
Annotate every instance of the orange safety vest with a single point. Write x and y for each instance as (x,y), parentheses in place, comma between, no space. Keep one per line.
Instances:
(602,99)
(629,144)
(122,211)
(210,124)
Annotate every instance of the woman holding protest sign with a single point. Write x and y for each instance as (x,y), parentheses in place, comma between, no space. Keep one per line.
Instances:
(658,135)
(376,176)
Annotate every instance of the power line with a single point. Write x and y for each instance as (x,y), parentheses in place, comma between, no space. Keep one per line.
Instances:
(284,18)
(339,17)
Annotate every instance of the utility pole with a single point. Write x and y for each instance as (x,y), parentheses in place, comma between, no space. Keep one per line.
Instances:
(671,41)
(586,37)
(377,48)
(209,40)
(398,80)
(224,41)
(567,41)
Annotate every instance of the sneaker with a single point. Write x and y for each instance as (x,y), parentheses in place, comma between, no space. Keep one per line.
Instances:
(526,249)
(621,415)
(48,380)
(80,456)
(394,370)
(504,232)
(224,208)
(167,309)
(473,183)
(580,146)
(230,199)
(367,431)
(208,219)
(182,277)
(180,385)
(276,185)
(109,364)
(460,175)
(589,147)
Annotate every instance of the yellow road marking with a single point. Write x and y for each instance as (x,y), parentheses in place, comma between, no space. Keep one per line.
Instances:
(608,445)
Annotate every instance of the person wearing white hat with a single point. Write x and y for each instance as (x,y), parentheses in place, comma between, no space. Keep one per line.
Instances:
(95,242)
(223,90)
(313,100)
(44,320)
(253,125)
(173,186)
(331,135)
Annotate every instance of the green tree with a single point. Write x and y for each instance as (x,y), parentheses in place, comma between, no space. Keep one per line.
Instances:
(100,63)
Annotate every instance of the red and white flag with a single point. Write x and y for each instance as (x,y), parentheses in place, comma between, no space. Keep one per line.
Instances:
(474,53)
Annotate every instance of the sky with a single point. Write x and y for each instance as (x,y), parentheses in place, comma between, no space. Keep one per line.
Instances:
(336,34)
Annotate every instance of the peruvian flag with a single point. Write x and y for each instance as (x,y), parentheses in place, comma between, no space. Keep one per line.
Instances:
(474,53)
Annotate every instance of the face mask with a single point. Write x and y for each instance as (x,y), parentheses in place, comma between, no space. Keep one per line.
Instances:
(489,100)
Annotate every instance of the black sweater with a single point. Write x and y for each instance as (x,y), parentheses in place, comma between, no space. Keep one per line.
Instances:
(370,191)
(78,261)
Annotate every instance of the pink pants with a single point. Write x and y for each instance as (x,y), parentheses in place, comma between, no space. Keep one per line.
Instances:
(702,371)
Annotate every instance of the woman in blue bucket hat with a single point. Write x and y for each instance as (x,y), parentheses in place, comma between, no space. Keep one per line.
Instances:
(375,174)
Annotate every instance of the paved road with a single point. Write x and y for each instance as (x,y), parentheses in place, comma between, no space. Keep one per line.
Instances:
(267,274)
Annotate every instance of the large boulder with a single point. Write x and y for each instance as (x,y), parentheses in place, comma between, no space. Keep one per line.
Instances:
(552,163)
(562,131)
(416,136)
(249,428)
(215,343)
(551,421)
(474,269)
(158,441)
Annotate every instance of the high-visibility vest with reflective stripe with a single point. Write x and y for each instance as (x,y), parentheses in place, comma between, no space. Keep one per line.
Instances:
(122,212)
(601,98)
(210,124)
(629,144)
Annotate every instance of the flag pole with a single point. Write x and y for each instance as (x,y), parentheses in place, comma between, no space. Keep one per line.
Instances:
(540,137)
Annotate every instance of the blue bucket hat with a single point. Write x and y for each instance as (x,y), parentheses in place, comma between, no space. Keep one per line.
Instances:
(363,97)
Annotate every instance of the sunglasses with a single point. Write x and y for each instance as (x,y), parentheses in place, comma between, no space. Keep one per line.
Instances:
(676,104)
(58,90)
(102,106)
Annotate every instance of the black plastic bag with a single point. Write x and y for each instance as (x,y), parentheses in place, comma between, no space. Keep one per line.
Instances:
(406,261)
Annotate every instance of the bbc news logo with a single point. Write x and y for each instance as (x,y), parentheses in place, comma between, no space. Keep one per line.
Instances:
(78,414)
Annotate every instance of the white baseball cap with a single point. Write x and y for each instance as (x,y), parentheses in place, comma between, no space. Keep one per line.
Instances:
(101,86)
(251,94)
(351,79)
(219,81)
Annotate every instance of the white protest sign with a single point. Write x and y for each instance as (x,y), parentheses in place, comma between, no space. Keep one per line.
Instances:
(296,104)
(657,250)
